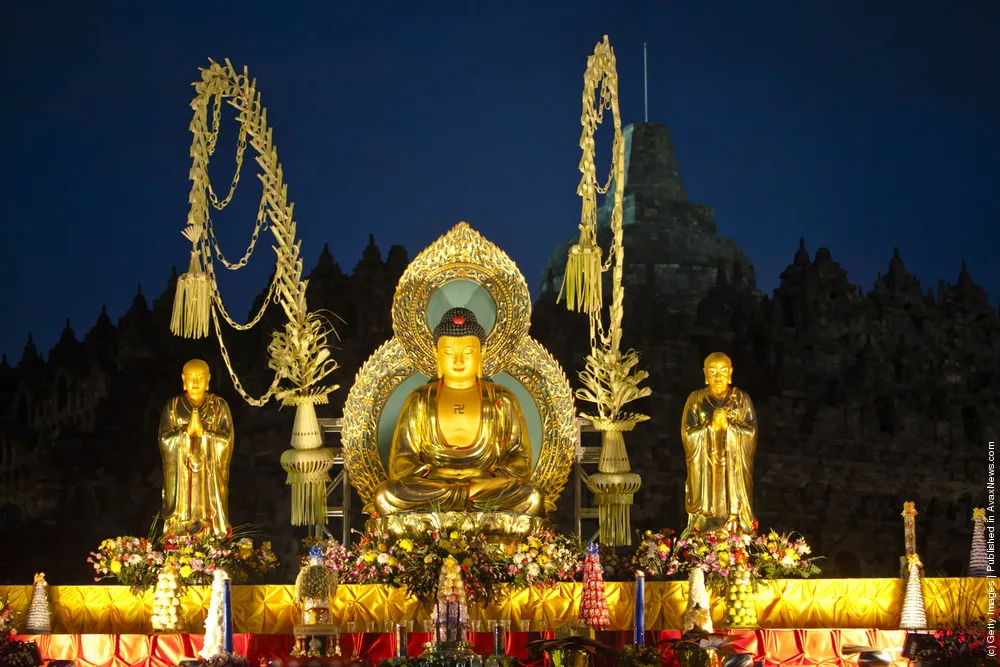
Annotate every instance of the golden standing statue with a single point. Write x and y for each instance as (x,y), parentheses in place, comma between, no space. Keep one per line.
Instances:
(460,443)
(719,431)
(196,443)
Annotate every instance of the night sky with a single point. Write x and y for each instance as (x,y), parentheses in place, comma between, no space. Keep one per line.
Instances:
(860,129)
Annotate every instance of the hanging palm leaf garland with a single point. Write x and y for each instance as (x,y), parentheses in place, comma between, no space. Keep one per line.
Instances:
(299,354)
(609,379)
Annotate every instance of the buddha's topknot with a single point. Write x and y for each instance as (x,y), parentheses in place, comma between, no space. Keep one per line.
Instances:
(457,323)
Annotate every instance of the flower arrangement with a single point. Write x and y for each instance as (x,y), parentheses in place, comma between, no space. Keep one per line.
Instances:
(720,556)
(543,560)
(413,561)
(198,557)
(480,563)
(374,560)
(961,645)
(336,556)
(783,556)
(653,556)
(136,562)
(6,620)
(131,561)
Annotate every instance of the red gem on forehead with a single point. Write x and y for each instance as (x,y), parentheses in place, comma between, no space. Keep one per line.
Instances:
(458,320)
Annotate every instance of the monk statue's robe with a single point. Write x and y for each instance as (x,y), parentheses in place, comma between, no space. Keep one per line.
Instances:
(196,469)
(719,485)
(427,474)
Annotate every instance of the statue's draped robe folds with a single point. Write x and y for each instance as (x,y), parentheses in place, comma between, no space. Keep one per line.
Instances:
(719,462)
(196,469)
(427,474)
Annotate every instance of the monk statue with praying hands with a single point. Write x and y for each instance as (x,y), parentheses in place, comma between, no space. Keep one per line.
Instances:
(196,444)
(719,432)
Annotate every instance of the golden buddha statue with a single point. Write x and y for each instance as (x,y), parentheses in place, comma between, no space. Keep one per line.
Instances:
(196,444)
(719,432)
(460,442)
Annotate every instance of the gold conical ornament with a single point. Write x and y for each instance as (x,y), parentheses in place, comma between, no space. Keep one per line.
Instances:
(608,379)
(299,352)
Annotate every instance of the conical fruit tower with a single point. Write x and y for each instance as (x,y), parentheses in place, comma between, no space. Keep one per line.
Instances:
(977,554)
(450,616)
(913,617)
(741,605)
(166,601)
(38,621)
(594,604)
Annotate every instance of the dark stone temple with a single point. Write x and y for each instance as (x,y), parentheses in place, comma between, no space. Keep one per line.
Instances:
(866,398)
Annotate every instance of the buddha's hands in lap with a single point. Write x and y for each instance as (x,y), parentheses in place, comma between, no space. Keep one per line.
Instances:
(486,485)
(453,474)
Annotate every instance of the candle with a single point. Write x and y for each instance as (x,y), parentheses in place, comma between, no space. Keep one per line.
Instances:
(227,616)
(498,647)
(640,611)
(400,641)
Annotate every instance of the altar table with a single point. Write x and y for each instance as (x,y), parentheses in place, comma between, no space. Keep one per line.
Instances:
(777,648)
(791,603)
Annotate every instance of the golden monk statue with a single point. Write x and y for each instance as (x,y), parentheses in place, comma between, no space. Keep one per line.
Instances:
(719,431)
(460,442)
(196,443)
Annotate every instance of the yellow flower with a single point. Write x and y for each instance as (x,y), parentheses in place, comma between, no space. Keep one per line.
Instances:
(702,550)
(543,559)
(393,561)
(533,552)
(429,558)
(198,554)
(791,553)
(382,547)
(524,547)
(369,556)
(116,566)
(535,542)
(186,571)
(455,535)
(723,558)
(406,545)
(663,548)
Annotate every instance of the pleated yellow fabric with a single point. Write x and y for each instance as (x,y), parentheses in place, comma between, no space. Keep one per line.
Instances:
(811,603)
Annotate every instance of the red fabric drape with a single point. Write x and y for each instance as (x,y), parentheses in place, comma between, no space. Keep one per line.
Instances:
(777,648)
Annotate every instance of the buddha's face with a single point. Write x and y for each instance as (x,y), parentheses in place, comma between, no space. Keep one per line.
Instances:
(195,377)
(459,359)
(718,373)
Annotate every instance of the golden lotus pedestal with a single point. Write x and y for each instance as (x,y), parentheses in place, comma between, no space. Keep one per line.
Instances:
(500,524)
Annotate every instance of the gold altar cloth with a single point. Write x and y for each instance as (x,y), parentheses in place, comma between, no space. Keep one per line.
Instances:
(789,603)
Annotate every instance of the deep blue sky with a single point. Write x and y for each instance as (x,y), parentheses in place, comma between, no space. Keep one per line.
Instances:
(859,128)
